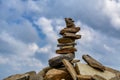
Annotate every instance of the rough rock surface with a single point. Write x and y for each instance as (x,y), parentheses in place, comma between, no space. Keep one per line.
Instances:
(71,30)
(57,74)
(25,76)
(57,61)
(84,69)
(93,63)
(69,22)
(42,73)
(84,77)
(66,50)
(97,77)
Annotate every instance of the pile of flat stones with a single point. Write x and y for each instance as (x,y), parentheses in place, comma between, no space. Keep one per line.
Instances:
(65,67)
(66,44)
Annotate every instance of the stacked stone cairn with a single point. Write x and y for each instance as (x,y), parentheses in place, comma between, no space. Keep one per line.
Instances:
(66,44)
(65,67)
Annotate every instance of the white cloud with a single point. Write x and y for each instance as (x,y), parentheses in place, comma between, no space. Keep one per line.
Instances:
(45,49)
(90,38)
(46,26)
(100,46)
(93,42)
(108,48)
(21,7)
(59,24)
(51,34)
(32,5)
(111,8)
(22,55)
(23,40)
(3,60)
(33,47)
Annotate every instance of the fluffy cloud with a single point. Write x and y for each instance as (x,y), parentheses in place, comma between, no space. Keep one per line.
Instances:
(50,28)
(102,47)
(21,54)
(112,9)
(29,30)
(93,42)
(47,29)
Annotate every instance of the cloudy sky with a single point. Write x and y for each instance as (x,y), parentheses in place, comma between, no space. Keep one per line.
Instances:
(29,30)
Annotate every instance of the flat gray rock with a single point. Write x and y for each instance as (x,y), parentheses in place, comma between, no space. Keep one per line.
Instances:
(85,69)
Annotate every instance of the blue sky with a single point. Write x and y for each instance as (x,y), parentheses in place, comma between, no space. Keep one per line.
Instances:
(29,30)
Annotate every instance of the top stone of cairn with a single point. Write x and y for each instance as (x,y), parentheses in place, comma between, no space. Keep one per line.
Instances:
(69,22)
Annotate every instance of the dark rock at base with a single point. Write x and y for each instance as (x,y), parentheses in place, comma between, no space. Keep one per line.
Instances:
(56,62)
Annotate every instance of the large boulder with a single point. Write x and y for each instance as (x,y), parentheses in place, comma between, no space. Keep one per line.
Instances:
(85,69)
(42,73)
(57,74)
(56,62)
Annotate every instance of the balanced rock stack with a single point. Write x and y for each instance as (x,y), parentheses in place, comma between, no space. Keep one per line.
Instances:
(65,67)
(66,44)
